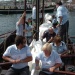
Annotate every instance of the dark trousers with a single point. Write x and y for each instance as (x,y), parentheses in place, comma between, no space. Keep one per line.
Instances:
(63,31)
(23,71)
(43,73)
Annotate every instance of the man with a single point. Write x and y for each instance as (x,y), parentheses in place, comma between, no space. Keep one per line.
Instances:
(63,21)
(19,25)
(19,55)
(49,35)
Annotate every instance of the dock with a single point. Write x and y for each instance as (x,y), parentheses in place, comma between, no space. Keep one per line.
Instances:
(18,11)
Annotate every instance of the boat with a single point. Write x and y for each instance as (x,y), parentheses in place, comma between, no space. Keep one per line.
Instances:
(10,40)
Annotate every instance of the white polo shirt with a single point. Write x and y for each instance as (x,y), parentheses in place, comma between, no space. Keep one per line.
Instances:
(50,61)
(19,29)
(14,53)
(62,11)
(59,49)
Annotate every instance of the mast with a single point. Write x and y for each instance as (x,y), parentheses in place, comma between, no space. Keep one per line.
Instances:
(37,19)
(24,17)
(42,11)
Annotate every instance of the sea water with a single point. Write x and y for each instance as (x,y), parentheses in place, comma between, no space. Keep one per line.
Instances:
(8,23)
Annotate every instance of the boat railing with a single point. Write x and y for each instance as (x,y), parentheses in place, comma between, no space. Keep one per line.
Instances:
(6,39)
(56,71)
(6,34)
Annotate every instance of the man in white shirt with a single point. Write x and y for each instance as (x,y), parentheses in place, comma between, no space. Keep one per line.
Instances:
(19,55)
(19,25)
(63,20)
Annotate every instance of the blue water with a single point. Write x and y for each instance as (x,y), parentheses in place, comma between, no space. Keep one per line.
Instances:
(8,23)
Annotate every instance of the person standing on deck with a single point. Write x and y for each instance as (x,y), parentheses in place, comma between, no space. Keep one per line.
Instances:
(20,30)
(19,55)
(63,20)
(19,25)
(34,13)
(28,31)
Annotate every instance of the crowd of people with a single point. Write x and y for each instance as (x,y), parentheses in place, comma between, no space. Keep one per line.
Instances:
(55,32)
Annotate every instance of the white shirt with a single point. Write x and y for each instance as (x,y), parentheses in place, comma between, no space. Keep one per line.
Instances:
(61,48)
(14,53)
(19,29)
(62,11)
(29,30)
(50,61)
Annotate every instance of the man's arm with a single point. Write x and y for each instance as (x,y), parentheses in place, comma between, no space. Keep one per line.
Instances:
(60,20)
(57,65)
(51,39)
(21,20)
(29,58)
(7,58)
(37,67)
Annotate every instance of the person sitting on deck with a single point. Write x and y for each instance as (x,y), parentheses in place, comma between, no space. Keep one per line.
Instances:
(49,35)
(19,55)
(59,46)
(50,60)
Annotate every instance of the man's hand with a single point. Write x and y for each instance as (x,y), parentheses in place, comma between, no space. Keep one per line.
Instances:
(58,25)
(37,68)
(13,61)
(24,14)
(18,61)
(51,69)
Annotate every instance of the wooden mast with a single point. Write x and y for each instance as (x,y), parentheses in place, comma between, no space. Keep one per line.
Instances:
(24,17)
(37,19)
(42,11)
